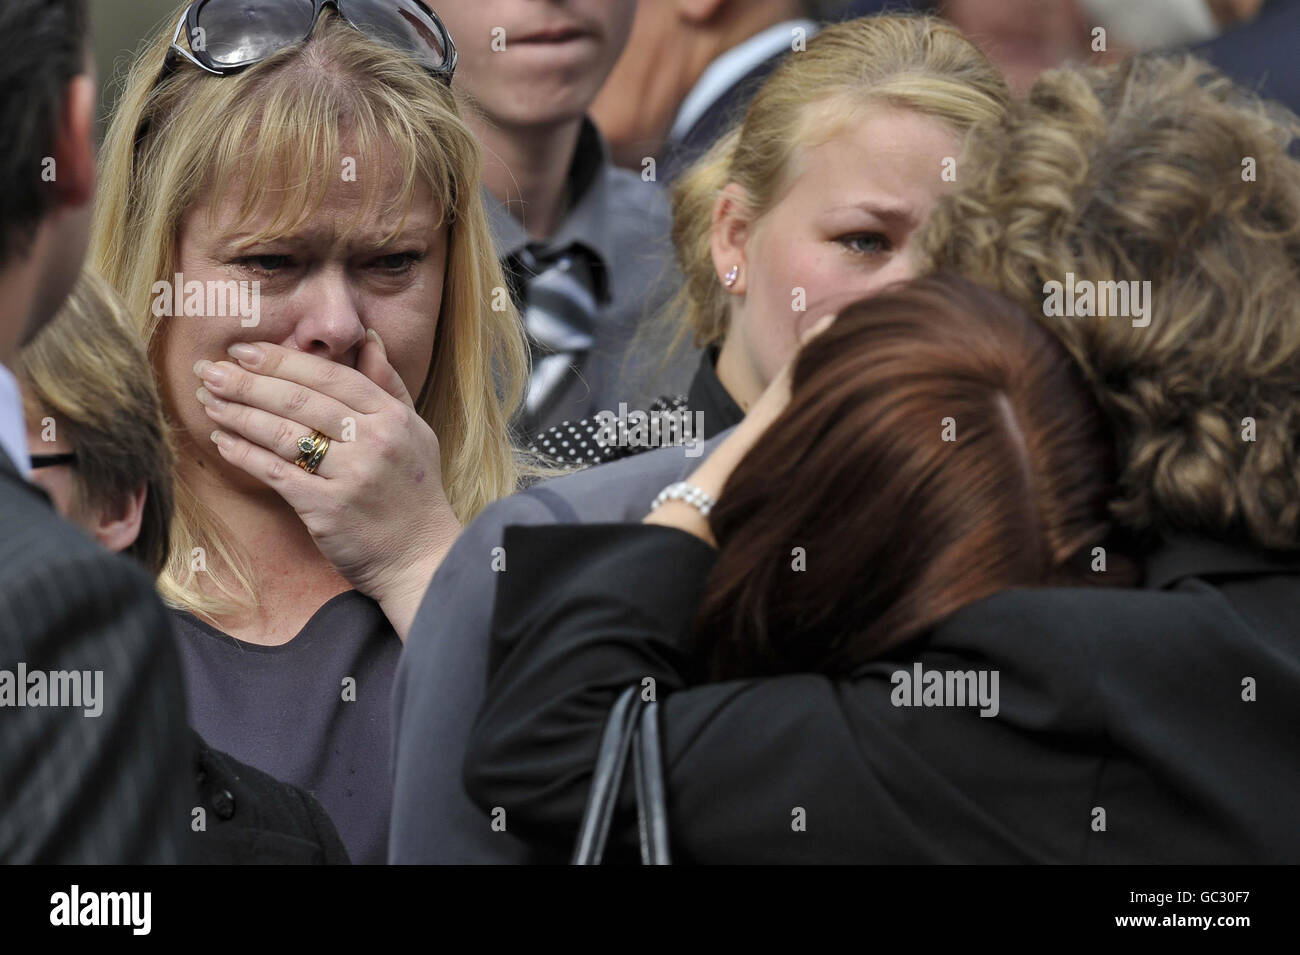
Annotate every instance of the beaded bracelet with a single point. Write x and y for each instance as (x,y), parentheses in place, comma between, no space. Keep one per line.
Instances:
(687,494)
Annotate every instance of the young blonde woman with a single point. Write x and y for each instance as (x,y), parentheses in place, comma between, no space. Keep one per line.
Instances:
(812,203)
(808,204)
(337,425)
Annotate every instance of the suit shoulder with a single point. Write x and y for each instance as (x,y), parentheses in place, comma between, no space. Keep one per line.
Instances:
(522,507)
(635,195)
(54,575)
(1099,609)
(39,548)
(466,578)
(621,490)
(1065,629)
(34,533)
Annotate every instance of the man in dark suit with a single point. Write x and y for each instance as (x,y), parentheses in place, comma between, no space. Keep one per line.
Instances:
(93,742)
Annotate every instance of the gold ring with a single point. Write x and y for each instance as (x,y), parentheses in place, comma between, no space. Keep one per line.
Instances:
(311,449)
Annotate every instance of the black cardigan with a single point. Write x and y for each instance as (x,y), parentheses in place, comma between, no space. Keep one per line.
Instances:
(1126,729)
(250,818)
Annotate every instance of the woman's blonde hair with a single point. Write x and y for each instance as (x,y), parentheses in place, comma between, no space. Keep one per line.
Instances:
(186,137)
(914,63)
(1160,171)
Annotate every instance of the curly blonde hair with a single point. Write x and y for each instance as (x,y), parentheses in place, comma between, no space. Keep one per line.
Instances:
(1157,170)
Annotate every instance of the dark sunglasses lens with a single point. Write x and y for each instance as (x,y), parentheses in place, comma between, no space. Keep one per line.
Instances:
(403,24)
(52,460)
(234,32)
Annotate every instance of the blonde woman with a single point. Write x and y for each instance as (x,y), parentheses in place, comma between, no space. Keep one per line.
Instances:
(100,448)
(337,426)
(810,204)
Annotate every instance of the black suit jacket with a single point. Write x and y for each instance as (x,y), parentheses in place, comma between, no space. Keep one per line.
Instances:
(76,788)
(1151,725)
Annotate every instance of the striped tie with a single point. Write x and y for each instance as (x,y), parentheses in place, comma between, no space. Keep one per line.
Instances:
(557,294)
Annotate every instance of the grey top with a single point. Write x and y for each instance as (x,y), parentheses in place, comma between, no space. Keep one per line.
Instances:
(443,671)
(290,712)
(626,221)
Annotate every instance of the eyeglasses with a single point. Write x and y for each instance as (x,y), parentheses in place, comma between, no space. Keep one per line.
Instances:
(52,460)
(226,36)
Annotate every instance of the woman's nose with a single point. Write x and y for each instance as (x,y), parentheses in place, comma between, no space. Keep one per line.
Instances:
(330,322)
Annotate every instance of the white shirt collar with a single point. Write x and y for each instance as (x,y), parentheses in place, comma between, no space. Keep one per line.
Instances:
(723,72)
(13,426)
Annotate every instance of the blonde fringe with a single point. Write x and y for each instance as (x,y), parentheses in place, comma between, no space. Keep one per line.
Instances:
(912,62)
(198,134)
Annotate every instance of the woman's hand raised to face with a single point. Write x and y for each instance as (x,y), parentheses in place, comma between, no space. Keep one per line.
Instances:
(375,505)
(711,476)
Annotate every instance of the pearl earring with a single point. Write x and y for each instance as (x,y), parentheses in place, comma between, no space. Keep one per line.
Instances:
(732,275)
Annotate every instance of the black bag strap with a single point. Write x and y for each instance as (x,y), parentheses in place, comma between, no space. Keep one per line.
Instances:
(651,803)
(632,725)
(607,778)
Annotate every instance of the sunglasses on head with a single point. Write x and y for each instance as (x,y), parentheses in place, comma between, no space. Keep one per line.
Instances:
(226,36)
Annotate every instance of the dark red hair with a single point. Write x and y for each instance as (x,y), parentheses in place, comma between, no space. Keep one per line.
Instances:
(898,527)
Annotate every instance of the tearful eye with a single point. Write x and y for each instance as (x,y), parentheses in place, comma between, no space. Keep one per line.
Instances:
(865,243)
(266,263)
(398,262)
